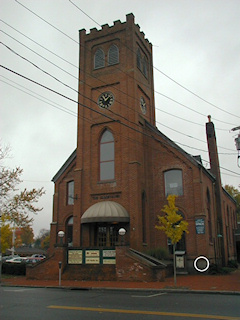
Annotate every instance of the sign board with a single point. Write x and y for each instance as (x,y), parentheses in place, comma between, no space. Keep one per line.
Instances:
(109,253)
(92,260)
(92,253)
(180,262)
(92,256)
(200,226)
(75,257)
(109,261)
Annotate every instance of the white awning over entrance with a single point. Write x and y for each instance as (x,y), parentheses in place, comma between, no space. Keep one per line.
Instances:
(105,211)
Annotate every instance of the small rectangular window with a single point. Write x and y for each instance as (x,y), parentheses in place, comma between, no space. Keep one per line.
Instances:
(70,193)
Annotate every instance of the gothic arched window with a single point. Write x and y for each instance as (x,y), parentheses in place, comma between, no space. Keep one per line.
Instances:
(70,193)
(113,55)
(144,66)
(99,61)
(107,156)
(139,58)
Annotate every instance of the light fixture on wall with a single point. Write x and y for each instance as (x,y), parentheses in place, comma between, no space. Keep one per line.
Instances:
(61,234)
(122,233)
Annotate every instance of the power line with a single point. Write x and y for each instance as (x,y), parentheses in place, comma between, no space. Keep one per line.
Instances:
(66,35)
(116,67)
(88,97)
(75,114)
(33,52)
(104,82)
(24,35)
(193,93)
(70,99)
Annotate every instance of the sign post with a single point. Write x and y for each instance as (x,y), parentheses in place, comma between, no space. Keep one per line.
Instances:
(60,272)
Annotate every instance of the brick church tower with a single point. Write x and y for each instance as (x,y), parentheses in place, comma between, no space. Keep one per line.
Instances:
(115,94)
(105,177)
(124,168)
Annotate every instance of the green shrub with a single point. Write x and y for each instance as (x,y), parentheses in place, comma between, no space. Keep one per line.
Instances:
(232,264)
(15,269)
(215,269)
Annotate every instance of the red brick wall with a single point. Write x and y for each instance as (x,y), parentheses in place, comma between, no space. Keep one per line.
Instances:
(142,155)
(48,269)
(129,268)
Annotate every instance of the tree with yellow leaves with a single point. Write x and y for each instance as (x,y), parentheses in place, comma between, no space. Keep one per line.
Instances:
(173,225)
(15,206)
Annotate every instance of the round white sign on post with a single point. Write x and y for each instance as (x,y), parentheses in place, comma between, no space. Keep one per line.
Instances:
(195,263)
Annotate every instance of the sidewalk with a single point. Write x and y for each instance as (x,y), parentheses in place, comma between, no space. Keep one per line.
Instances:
(211,283)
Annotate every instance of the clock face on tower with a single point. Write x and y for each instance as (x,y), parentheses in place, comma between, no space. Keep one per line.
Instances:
(105,100)
(143,105)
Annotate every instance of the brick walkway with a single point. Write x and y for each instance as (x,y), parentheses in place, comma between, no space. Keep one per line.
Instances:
(213,283)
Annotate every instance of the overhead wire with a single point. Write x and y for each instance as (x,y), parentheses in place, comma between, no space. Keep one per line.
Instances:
(85,106)
(90,86)
(55,28)
(69,111)
(163,73)
(116,66)
(104,82)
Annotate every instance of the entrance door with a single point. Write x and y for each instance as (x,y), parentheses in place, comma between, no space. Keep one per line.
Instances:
(106,235)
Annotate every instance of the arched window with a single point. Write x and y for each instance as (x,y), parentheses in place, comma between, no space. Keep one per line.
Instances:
(113,55)
(70,232)
(173,182)
(99,61)
(139,58)
(70,193)
(144,65)
(107,156)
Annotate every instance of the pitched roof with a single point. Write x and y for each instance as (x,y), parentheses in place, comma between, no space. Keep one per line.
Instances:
(65,166)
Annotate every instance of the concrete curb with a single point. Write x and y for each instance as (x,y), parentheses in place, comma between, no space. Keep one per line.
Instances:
(160,290)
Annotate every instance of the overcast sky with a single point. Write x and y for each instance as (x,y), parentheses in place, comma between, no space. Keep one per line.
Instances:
(196,45)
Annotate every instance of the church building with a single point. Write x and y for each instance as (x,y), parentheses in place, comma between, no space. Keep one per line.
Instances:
(118,178)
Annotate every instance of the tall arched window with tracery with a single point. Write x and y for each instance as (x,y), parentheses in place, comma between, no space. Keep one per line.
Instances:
(99,61)
(107,156)
(113,55)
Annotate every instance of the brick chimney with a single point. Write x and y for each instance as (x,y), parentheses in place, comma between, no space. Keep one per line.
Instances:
(212,151)
(215,170)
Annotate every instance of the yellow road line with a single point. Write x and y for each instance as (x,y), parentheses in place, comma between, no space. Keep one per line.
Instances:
(157,313)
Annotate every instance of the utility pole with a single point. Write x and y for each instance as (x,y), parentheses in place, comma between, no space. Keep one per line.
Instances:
(0,246)
(237,142)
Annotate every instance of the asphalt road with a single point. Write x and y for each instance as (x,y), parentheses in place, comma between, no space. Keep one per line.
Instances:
(60,304)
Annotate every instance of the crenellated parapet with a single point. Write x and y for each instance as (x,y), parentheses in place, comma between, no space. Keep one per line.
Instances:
(116,27)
